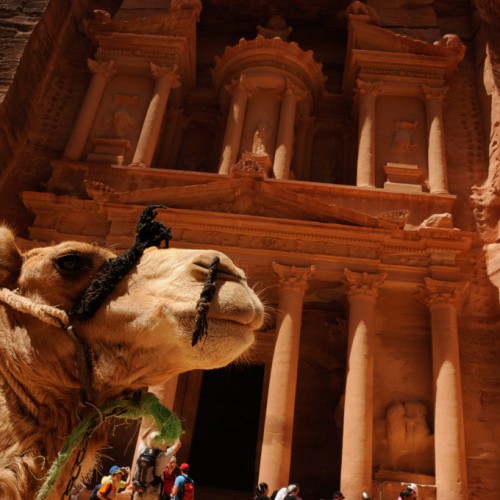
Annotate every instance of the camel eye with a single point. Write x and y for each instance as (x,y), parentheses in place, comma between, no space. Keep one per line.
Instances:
(72,263)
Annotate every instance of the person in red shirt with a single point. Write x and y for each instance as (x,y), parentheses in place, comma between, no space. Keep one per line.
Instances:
(169,474)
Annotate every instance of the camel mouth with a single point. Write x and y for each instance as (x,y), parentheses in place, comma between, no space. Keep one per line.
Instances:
(233,325)
(230,329)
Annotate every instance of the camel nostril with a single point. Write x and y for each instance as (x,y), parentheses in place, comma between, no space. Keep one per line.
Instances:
(226,271)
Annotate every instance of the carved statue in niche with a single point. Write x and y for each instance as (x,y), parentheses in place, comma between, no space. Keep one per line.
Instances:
(261,140)
(121,123)
(403,139)
(403,440)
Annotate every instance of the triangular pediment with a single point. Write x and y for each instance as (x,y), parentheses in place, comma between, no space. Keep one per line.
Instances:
(244,196)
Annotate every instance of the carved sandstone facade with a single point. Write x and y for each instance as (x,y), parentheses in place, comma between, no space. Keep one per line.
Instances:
(347,159)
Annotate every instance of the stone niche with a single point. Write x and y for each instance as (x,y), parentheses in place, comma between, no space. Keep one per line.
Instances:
(145,59)
(401,153)
(268,87)
(400,85)
(118,121)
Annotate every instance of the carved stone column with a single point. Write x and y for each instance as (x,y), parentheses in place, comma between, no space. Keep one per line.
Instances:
(278,427)
(356,470)
(436,152)
(285,138)
(367,92)
(102,72)
(443,299)
(166,79)
(234,126)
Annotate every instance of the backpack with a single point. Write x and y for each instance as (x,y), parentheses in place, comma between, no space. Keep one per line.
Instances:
(187,491)
(145,463)
(93,495)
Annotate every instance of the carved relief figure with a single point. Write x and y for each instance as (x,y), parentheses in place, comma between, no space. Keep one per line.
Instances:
(408,443)
(262,138)
(122,123)
(403,139)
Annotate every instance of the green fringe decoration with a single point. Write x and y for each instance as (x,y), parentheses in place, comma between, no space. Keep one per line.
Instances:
(168,424)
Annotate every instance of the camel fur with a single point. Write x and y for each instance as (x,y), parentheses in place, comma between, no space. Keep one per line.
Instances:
(139,337)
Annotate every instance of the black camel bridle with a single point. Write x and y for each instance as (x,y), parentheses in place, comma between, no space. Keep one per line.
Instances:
(149,232)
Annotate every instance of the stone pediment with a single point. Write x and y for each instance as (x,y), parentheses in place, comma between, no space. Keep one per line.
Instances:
(380,53)
(245,196)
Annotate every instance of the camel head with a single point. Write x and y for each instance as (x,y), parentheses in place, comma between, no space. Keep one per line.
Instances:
(142,333)
(137,334)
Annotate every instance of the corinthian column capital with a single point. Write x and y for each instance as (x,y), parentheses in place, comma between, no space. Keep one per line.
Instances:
(104,68)
(437,293)
(438,93)
(168,72)
(365,87)
(241,84)
(364,285)
(291,89)
(294,278)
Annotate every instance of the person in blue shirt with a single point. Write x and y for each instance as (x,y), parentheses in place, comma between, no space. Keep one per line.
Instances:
(184,486)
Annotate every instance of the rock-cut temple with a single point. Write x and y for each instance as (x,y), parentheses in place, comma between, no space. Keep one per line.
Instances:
(346,156)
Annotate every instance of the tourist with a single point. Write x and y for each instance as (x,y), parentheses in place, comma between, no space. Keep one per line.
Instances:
(407,493)
(184,485)
(292,492)
(414,488)
(281,495)
(152,461)
(261,491)
(169,476)
(109,490)
(126,475)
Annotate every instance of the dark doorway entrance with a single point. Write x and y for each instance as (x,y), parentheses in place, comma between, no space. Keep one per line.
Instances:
(225,435)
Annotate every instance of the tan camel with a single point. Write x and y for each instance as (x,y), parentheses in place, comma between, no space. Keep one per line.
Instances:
(139,337)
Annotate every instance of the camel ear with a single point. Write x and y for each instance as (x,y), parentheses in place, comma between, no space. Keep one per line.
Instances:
(10,259)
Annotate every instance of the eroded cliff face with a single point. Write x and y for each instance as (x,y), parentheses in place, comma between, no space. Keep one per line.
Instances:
(17,22)
(486,196)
